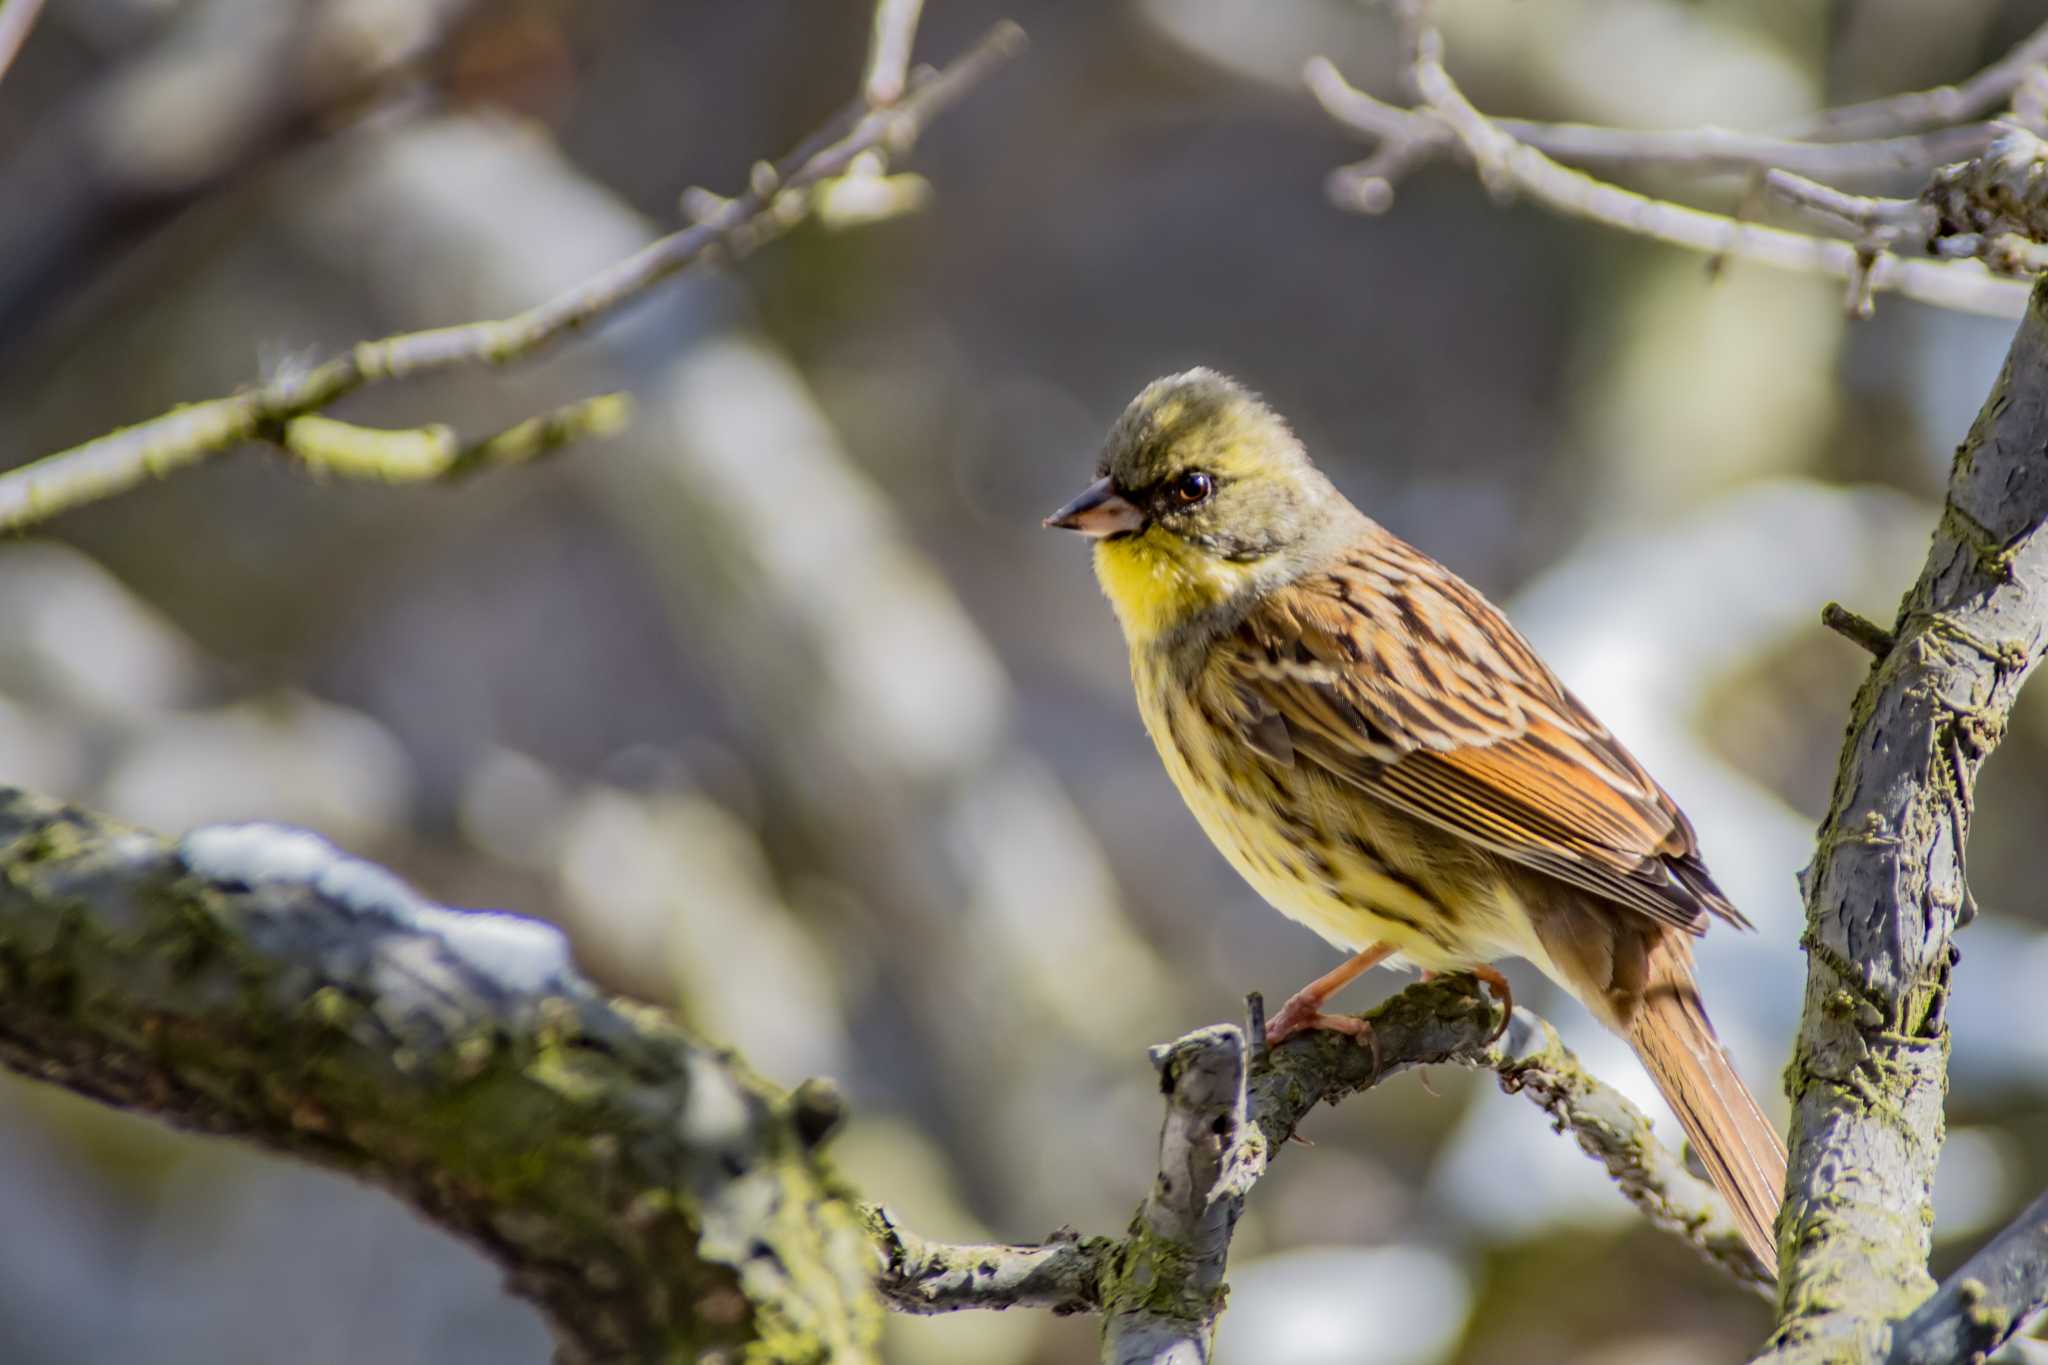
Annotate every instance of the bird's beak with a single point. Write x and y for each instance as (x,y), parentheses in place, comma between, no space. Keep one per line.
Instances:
(1099,511)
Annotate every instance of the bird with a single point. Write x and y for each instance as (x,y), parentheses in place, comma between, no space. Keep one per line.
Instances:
(1385,759)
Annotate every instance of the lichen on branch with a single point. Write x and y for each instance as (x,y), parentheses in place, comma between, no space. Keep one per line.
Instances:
(653,1198)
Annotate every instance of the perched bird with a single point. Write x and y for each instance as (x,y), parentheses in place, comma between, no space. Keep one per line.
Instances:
(1384,758)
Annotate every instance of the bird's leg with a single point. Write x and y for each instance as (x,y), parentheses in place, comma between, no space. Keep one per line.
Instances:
(1304,1010)
(1497,986)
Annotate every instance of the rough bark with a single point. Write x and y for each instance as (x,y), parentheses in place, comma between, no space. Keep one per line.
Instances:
(1886,888)
(654,1200)
(1987,1300)
(1229,1111)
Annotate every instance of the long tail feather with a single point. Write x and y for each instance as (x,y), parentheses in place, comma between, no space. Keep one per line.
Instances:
(1741,1150)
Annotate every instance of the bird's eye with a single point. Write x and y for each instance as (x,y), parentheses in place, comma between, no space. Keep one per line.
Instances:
(1192,487)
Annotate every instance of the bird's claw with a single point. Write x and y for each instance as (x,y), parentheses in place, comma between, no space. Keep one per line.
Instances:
(1305,1015)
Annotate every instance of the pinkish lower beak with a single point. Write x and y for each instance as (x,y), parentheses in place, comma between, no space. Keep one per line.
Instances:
(1100,511)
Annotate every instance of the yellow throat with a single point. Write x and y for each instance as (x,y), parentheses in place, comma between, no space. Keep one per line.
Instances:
(1157,581)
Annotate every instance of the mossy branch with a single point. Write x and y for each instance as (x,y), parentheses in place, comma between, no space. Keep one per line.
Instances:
(1887,887)
(1230,1110)
(654,1199)
(1985,1302)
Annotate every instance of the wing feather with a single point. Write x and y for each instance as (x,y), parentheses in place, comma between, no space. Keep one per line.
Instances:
(1392,674)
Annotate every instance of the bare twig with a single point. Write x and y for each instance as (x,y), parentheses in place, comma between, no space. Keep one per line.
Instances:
(1866,214)
(1063,1273)
(17,17)
(1858,629)
(778,196)
(1987,1301)
(895,33)
(1887,887)
(1506,165)
(1697,150)
(326,446)
(1978,95)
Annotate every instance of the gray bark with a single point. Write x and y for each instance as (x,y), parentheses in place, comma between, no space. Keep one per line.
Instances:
(1886,887)
(651,1197)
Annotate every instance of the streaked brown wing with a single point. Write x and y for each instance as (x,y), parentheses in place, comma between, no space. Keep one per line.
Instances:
(1393,674)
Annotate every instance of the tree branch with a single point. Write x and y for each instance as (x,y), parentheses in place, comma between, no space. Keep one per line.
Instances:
(1978,95)
(115,166)
(1887,885)
(889,50)
(1981,206)
(1160,1286)
(778,197)
(651,1197)
(644,1191)
(1698,150)
(1165,1290)
(1507,164)
(1988,1299)
(17,17)
(1063,1273)
(1859,630)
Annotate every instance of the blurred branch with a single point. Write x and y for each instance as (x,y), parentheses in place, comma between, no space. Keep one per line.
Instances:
(889,50)
(231,87)
(1505,163)
(17,17)
(650,1196)
(1229,1114)
(1978,95)
(778,197)
(1862,212)
(424,454)
(1888,887)
(1986,1301)
(1967,211)
(1697,150)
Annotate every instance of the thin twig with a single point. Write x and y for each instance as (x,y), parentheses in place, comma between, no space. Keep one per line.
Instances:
(1978,95)
(1063,1273)
(1696,150)
(1988,1300)
(1858,629)
(1867,214)
(1505,164)
(17,17)
(776,198)
(895,32)
(346,450)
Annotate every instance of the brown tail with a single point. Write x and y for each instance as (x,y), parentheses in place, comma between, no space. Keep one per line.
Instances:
(1742,1151)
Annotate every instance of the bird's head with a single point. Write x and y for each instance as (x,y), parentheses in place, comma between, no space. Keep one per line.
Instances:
(1204,497)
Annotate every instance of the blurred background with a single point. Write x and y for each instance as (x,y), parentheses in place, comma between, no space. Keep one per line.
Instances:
(785,706)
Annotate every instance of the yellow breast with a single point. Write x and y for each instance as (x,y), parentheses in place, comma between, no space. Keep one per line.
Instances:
(1312,847)
(1155,581)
